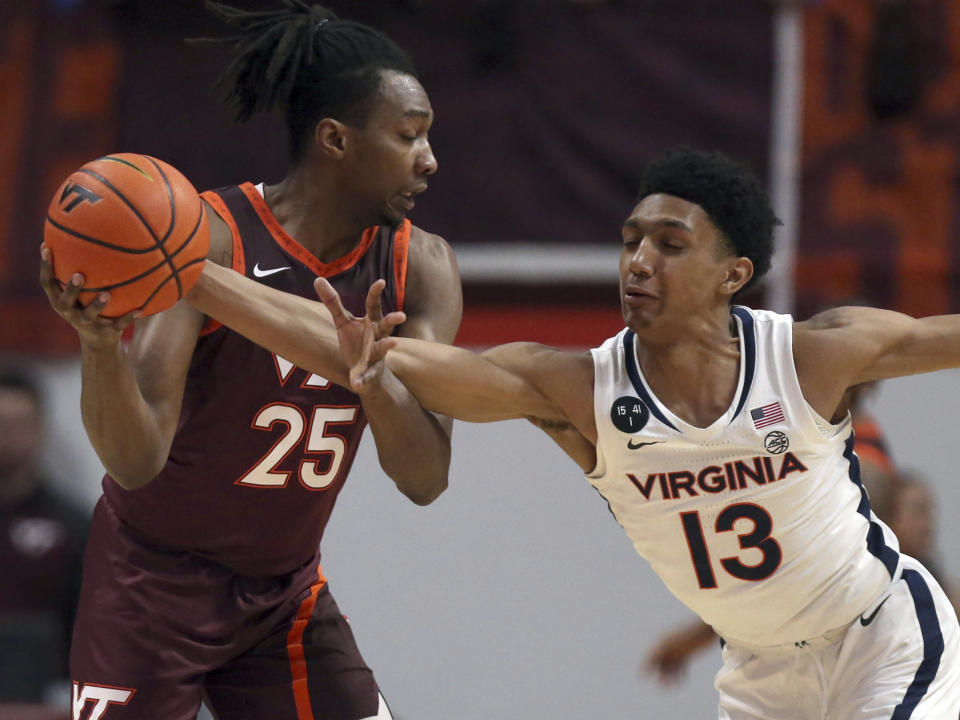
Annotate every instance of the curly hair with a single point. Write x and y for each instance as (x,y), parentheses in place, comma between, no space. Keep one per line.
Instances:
(730,194)
(303,60)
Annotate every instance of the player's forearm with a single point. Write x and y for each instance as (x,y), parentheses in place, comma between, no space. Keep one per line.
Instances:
(122,427)
(296,329)
(463,384)
(412,444)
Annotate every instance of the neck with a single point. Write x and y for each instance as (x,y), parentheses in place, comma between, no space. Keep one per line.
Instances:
(310,207)
(693,369)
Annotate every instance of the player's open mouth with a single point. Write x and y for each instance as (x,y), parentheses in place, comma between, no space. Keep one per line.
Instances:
(407,198)
(638,296)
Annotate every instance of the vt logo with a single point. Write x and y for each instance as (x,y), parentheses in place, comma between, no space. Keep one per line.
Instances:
(102,696)
(81,194)
(285,368)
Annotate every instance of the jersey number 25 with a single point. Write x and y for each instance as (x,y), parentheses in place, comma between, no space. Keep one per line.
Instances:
(319,442)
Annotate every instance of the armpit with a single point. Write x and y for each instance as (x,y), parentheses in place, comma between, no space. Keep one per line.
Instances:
(551,425)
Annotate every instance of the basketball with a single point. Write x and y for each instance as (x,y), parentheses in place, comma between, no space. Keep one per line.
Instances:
(132,225)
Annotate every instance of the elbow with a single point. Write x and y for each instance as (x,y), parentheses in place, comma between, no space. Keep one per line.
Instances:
(129,482)
(136,477)
(423,493)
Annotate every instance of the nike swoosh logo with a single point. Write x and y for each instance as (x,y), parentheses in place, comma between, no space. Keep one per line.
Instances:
(869,619)
(257,272)
(631,446)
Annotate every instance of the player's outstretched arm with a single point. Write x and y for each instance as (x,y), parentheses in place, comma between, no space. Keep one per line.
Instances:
(293,327)
(510,381)
(847,346)
(446,379)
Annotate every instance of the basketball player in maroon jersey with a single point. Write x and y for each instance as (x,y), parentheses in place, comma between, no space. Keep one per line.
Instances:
(202,576)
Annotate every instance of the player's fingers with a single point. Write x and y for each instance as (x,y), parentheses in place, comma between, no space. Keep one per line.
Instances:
(129,319)
(95,307)
(381,348)
(46,269)
(391,320)
(48,281)
(374,306)
(385,327)
(71,291)
(331,298)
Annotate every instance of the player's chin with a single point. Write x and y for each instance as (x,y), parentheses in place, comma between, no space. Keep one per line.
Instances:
(390,215)
(637,318)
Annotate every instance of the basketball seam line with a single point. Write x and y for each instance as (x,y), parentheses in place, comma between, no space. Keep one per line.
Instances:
(143,220)
(155,267)
(173,222)
(96,241)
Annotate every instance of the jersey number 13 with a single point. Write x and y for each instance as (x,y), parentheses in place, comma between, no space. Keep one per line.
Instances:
(758,538)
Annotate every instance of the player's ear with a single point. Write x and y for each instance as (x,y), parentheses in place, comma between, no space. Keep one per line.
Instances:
(330,138)
(739,272)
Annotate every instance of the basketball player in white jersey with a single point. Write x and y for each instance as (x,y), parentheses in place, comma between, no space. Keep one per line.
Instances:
(713,432)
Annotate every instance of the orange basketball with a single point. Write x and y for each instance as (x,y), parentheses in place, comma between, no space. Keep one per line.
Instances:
(132,225)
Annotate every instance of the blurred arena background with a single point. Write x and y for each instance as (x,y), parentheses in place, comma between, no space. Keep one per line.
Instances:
(516,595)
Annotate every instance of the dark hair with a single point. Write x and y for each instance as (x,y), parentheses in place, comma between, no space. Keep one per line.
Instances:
(17,381)
(728,192)
(305,61)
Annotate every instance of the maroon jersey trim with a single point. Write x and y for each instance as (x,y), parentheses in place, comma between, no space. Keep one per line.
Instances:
(292,247)
(401,248)
(298,661)
(238,261)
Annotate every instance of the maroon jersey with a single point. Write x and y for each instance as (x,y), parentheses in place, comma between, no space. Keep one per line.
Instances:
(262,447)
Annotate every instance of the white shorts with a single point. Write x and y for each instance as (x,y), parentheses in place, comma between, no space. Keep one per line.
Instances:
(899,660)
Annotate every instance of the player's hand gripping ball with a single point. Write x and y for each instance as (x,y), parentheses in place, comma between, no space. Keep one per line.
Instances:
(132,225)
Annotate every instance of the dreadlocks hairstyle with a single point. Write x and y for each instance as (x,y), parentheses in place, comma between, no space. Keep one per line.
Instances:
(306,62)
(728,192)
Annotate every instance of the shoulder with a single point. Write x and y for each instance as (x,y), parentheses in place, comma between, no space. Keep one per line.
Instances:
(433,296)
(221,238)
(831,349)
(430,258)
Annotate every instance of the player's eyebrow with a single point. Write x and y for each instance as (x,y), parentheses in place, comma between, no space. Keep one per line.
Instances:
(636,224)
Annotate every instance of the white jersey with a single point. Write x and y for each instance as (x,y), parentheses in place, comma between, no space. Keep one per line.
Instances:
(759,523)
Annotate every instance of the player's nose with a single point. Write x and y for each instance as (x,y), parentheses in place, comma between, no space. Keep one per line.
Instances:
(642,261)
(427,161)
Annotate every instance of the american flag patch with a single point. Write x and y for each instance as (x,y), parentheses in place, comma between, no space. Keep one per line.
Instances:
(767,415)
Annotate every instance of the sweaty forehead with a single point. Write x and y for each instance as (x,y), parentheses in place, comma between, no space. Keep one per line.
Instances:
(402,95)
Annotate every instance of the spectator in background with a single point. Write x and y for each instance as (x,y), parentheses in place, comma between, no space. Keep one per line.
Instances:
(877,472)
(913,519)
(42,537)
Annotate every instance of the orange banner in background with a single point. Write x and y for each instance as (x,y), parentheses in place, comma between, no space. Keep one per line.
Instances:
(880,216)
(59,77)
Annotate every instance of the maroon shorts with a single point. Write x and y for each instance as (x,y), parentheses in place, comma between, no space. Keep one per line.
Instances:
(159,630)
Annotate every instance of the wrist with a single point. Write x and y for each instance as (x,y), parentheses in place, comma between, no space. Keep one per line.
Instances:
(101,345)
(381,387)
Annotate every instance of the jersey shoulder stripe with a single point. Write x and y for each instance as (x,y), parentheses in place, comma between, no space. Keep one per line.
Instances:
(401,252)
(238,261)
